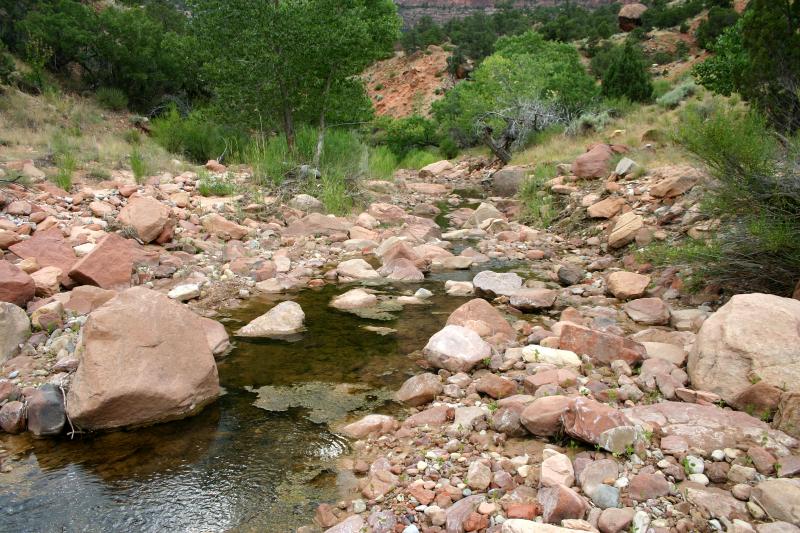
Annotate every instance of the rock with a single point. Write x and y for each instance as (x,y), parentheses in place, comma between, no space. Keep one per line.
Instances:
(550,356)
(353,524)
(317,224)
(419,390)
(143,359)
(49,249)
(495,386)
(86,298)
(516,525)
(459,288)
(758,399)
(645,487)
(588,419)
(777,527)
(216,335)
(216,224)
(752,337)
(605,496)
(46,281)
(306,203)
(615,520)
(482,318)
(185,292)
(380,424)
(507,181)
(494,284)
(46,411)
(597,473)
(531,300)
(48,317)
(570,275)
(110,264)
(456,349)
(354,299)
(625,166)
(625,229)
(15,328)
(19,208)
(146,215)
(607,208)
(542,417)
(787,417)
(401,270)
(435,169)
(556,470)
(674,185)
(285,319)
(356,269)
(479,476)
(668,352)
(560,503)
(485,211)
(458,513)
(650,311)
(12,417)
(16,286)
(715,502)
(594,163)
(708,427)
(604,347)
(625,285)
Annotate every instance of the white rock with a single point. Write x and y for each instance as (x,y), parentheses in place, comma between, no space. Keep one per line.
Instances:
(185,292)
(542,354)
(284,319)
(457,349)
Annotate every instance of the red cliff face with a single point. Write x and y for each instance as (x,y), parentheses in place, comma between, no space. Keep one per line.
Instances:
(444,10)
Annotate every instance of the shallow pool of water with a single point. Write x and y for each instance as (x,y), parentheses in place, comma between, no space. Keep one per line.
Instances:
(235,466)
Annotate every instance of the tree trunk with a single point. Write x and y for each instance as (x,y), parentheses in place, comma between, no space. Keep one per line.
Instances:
(288,120)
(321,131)
(499,150)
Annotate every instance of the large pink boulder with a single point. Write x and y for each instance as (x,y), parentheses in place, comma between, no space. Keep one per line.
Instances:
(50,249)
(752,338)
(595,163)
(481,317)
(110,264)
(604,347)
(146,215)
(143,359)
(587,419)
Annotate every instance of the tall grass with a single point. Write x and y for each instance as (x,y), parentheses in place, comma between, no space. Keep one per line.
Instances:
(539,205)
(67,163)
(382,163)
(416,159)
(214,185)
(195,136)
(138,165)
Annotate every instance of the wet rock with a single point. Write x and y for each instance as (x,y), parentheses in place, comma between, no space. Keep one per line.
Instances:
(560,503)
(482,318)
(752,337)
(16,286)
(626,285)
(419,390)
(380,424)
(356,269)
(216,335)
(354,299)
(587,419)
(15,328)
(143,359)
(494,284)
(533,299)
(110,264)
(49,249)
(45,411)
(146,215)
(542,417)
(625,229)
(12,417)
(604,347)
(285,319)
(456,349)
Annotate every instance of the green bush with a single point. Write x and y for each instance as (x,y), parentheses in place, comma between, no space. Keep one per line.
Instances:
(673,98)
(382,163)
(402,135)
(756,196)
(719,18)
(539,205)
(194,136)
(628,75)
(334,193)
(592,121)
(112,98)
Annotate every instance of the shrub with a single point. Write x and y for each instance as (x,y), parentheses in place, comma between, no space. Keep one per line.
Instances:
(132,137)
(756,196)
(334,193)
(67,163)
(214,185)
(112,98)
(416,159)
(673,98)
(402,135)
(719,18)
(382,163)
(138,165)
(194,136)
(539,205)
(627,75)
(589,122)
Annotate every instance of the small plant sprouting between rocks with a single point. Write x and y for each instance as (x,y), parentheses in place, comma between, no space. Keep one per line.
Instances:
(138,165)
(209,185)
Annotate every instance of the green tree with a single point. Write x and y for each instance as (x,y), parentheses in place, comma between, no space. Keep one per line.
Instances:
(724,71)
(719,18)
(627,75)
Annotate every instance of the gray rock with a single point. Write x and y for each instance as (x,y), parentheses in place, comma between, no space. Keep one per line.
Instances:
(497,284)
(605,496)
(507,180)
(570,275)
(15,328)
(46,411)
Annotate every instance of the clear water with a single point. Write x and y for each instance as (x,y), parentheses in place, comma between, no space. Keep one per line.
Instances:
(234,467)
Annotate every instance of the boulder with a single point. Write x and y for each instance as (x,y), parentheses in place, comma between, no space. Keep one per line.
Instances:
(508,180)
(650,311)
(15,328)
(86,298)
(143,359)
(625,285)
(625,229)
(531,300)
(542,417)
(587,419)
(146,215)
(47,281)
(485,211)
(753,337)
(45,411)
(630,18)
(419,390)
(594,163)
(435,169)
(645,487)
(604,347)
(48,248)
(607,208)
(356,269)
(378,424)
(306,203)
(495,386)
(110,264)
(12,417)
(285,319)
(556,470)
(615,520)
(216,224)
(456,349)
(216,335)
(354,299)
(780,498)
(494,284)
(16,286)
(561,503)
(484,319)
(317,224)
(353,524)
(401,270)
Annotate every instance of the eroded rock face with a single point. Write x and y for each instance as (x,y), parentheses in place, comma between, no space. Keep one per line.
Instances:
(286,318)
(456,349)
(753,337)
(143,359)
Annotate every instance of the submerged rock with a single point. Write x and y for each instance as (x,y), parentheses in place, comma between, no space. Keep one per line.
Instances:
(285,319)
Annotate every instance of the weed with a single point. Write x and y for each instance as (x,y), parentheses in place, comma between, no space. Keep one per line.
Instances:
(382,163)
(334,194)
(67,163)
(540,209)
(98,173)
(214,186)
(138,165)
(132,137)
(112,98)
